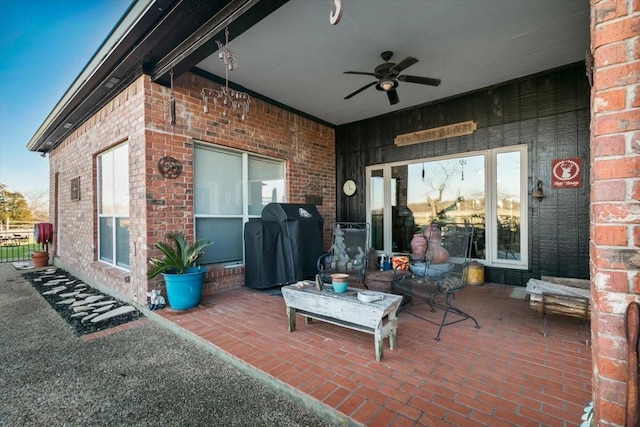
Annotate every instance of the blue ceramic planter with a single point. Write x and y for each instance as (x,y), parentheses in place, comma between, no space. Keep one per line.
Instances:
(184,290)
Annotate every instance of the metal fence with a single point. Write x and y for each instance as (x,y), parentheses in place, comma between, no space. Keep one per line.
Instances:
(17,244)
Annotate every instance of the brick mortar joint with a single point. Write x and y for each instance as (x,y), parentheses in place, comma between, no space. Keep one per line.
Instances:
(630,15)
(604,113)
(628,62)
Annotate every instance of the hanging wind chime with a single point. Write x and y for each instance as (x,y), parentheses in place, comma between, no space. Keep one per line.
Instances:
(168,166)
(231,100)
(462,163)
(172,105)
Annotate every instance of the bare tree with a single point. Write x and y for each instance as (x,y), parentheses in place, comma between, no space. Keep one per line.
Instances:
(38,200)
(437,181)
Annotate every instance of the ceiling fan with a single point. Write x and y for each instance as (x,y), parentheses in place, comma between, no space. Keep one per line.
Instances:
(388,75)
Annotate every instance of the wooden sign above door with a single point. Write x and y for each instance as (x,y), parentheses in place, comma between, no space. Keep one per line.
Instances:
(434,134)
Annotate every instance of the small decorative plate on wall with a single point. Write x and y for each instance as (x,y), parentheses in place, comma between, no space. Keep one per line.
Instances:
(169,167)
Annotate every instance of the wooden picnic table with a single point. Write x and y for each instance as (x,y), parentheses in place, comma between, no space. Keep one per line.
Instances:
(13,240)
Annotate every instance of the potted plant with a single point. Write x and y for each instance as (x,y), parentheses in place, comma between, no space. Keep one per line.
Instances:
(182,277)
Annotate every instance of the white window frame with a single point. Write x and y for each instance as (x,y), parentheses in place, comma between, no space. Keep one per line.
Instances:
(115,216)
(491,196)
(245,216)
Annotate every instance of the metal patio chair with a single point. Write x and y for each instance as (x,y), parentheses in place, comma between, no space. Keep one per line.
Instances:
(438,284)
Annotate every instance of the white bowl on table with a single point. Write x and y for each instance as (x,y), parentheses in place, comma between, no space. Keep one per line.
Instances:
(370,296)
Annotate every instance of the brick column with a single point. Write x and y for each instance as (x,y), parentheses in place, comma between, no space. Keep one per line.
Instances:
(615,196)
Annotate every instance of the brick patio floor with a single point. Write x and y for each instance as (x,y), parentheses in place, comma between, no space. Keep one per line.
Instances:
(503,374)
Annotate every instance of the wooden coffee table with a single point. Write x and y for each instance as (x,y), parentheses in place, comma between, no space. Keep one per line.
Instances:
(377,317)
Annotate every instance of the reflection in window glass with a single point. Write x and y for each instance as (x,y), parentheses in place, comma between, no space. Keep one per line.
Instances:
(377,209)
(453,192)
(121,180)
(230,188)
(508,206)
(402,219)
(226,234)
(122,242)
(266,184)
(105,183)
(113,210)
(445,192)
(106,242)
(218,182)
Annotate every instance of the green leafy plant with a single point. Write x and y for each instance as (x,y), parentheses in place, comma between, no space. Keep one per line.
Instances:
(179,256)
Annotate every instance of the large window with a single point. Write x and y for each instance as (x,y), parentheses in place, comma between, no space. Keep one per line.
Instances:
(484,189)
(230,188)
(113,206)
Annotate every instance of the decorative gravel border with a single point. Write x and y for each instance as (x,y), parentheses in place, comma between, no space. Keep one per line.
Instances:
(39,279)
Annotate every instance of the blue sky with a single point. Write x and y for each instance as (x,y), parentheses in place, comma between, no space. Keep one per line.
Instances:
(44,44)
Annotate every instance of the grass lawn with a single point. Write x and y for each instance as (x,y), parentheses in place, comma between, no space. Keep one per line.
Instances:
(21,252)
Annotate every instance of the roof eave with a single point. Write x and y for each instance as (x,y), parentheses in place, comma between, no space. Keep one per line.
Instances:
(40,140)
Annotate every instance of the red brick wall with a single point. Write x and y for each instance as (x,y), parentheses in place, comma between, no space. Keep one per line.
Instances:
(121,120)
(306,146)
(158,205)
(615,196)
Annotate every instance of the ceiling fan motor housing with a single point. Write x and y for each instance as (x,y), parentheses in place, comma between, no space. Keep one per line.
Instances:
(388,75)
(383,70)
(385,74)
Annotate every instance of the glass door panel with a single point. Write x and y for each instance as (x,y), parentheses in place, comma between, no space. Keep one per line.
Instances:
(450,193)
(376,197)
(402,218)
(406,198)
(508,206)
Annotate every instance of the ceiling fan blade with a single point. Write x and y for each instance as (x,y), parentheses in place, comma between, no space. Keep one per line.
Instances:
(420,80)
(360,90)
(361,73)
(405,63)
(393,97)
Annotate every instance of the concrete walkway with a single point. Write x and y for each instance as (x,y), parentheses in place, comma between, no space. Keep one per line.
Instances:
(146,375)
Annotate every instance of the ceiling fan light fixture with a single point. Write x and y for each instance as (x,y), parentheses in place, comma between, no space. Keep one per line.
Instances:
(387,84)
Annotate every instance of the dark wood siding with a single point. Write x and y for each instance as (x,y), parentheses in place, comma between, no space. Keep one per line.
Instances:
(549,112)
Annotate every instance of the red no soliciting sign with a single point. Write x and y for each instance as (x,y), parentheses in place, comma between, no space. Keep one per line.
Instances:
(566,173)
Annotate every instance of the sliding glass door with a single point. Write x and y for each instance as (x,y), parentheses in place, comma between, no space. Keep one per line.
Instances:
(483,189)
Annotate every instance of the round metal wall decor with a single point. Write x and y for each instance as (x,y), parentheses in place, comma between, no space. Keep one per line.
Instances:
(169,167)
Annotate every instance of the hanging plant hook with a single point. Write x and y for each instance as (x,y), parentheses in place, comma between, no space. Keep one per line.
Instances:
(334,18)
